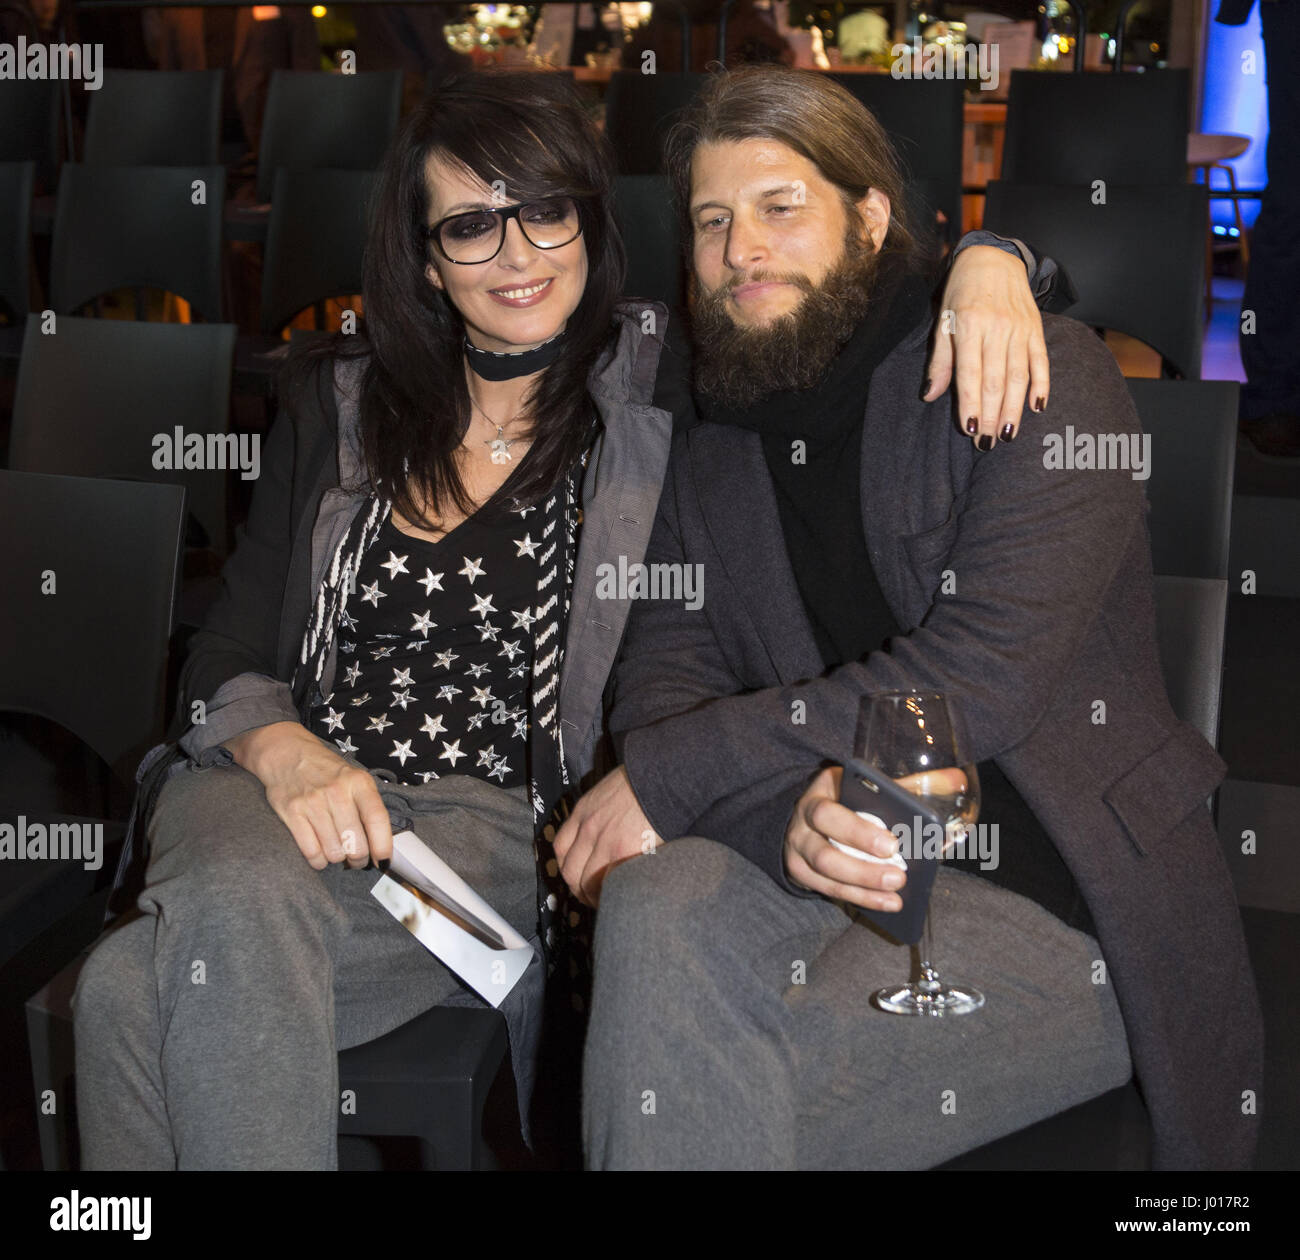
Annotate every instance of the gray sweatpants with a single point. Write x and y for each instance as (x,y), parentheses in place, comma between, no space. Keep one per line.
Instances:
(731,1025)
(207,1029)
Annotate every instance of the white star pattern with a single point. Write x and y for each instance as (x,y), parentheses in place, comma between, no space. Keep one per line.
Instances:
(454,701)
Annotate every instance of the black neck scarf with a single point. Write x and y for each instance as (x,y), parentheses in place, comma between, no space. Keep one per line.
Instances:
(818,487)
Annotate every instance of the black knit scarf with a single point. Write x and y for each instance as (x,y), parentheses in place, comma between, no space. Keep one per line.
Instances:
(812,442)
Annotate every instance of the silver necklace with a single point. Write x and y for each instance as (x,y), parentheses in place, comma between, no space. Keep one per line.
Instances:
(500,445)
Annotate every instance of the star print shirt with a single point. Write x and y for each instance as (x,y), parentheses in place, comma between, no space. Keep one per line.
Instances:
(435,653)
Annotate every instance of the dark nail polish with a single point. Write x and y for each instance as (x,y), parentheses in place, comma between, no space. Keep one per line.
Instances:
(985,443)
(1008,433)
(926,390)
(383,864)
(1039,404)
(972,425)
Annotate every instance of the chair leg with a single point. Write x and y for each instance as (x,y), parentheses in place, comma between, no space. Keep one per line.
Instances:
(1236,210)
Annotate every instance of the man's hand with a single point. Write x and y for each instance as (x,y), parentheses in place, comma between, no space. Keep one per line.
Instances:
(332,808)
(989,321)
(814,863)
(607,826)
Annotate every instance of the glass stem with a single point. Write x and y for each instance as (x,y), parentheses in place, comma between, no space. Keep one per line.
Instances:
(929,982)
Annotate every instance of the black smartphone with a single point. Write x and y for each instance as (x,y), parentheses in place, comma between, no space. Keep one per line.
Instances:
(920,830)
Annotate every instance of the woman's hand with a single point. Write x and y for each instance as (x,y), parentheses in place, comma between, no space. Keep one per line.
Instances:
(988,320)
(331,806)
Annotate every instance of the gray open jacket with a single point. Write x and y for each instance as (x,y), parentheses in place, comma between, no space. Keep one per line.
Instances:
(240,663)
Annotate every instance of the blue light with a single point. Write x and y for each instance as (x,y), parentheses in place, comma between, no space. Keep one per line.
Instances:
(1233,101)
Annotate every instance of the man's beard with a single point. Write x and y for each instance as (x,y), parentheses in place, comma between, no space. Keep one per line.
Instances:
(736,365)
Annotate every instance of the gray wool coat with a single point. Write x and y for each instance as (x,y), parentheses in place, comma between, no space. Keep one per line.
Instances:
(1052,613)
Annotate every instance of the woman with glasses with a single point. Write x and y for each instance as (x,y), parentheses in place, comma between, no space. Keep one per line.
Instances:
(409,635)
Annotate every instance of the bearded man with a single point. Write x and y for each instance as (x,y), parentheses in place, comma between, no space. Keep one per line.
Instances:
(850,549)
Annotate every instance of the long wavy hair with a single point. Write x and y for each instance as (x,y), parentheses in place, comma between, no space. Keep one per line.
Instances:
(532,132)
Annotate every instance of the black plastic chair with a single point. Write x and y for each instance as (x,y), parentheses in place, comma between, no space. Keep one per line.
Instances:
(639,109)
(30,133)
(428,1080)
(155,118)
(1193,428)
(89,569)
(644,211)
(925,119)
(16,183)
(1190,618)
(92,398)
(1076,128)
(118,227)
(1137,261)
(343,121)
(315,240)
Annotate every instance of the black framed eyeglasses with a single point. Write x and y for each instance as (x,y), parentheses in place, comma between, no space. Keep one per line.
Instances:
(476,236)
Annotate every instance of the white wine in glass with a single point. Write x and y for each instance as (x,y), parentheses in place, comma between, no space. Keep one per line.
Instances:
(913,738)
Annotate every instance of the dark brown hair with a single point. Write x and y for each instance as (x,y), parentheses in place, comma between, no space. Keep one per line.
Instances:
(808,112)
(532,132)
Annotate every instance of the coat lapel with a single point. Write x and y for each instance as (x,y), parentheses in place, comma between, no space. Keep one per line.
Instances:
(740,512)
(620,496)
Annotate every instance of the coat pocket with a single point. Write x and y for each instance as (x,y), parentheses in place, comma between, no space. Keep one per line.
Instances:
(1169,783)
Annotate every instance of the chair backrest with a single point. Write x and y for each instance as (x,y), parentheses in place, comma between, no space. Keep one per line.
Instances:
(639,109)
(1190,618)
(29,132)
(90,572)
(644,212)
(1193,431)
(925,119)
(155,118)
(1137,260)
(315,240)
(16,182)
(313,119)
(104,398)
(1076,128)
(119,227)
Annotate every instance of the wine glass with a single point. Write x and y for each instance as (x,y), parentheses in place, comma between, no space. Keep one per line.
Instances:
(914,738)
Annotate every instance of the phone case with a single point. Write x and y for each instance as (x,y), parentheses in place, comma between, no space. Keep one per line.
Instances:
(865,790)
